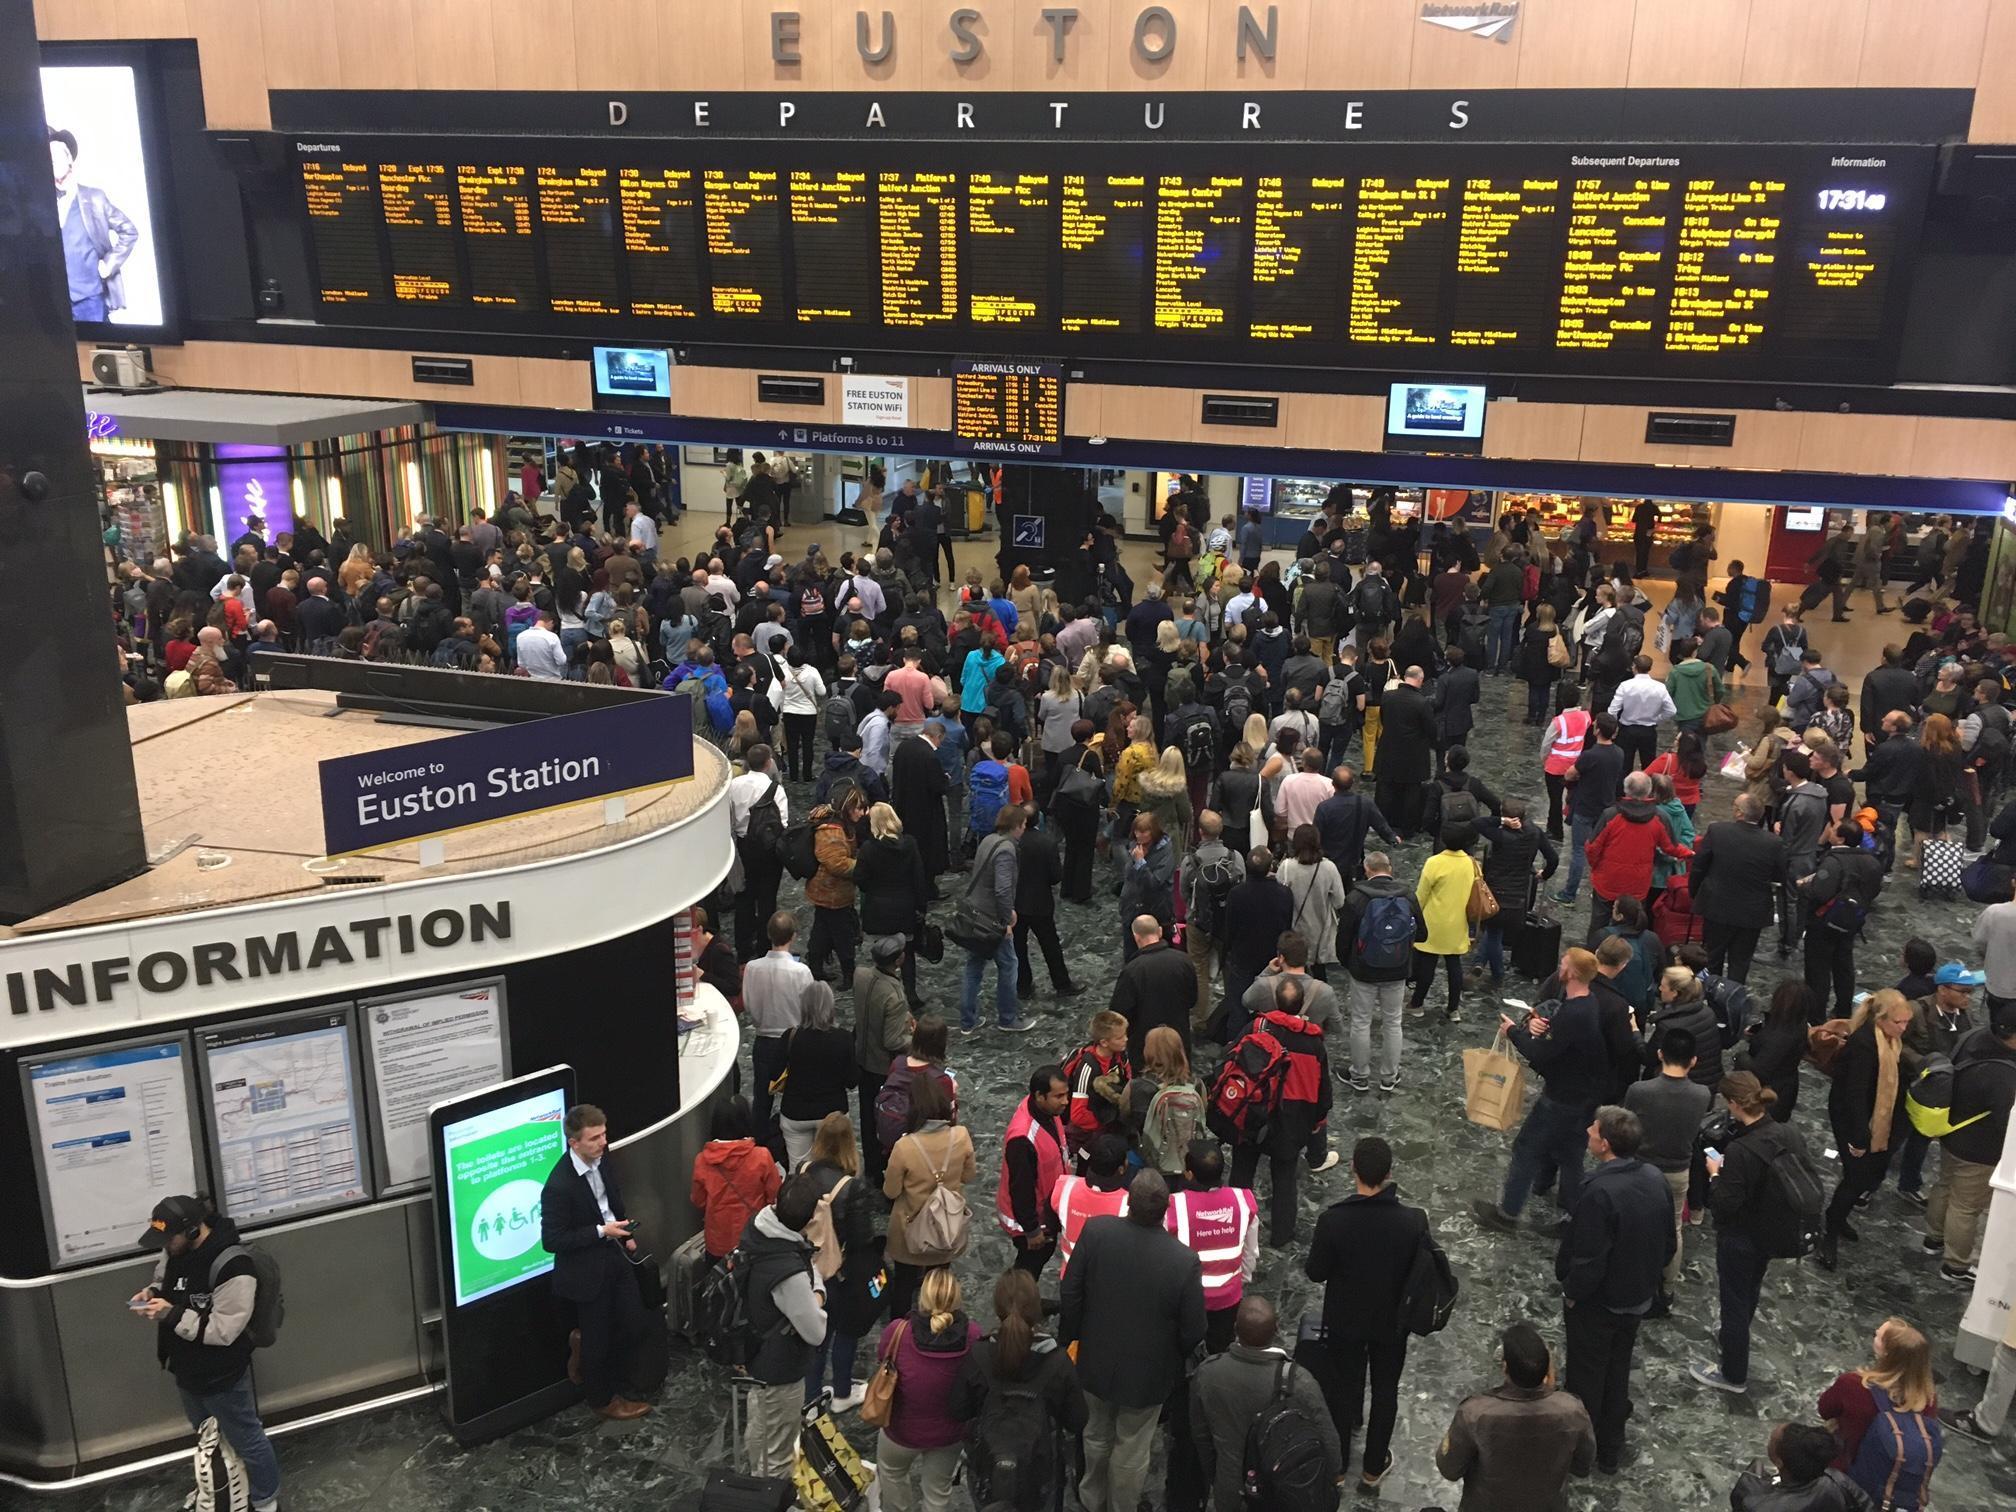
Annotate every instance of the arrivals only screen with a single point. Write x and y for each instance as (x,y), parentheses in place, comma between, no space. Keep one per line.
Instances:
(1693,261)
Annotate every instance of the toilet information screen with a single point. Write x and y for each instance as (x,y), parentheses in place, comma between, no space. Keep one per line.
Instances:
(1708,261)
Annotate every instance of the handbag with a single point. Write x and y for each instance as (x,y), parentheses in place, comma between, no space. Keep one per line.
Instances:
(1719,717)
(931,942)
(1078,786)
(1483,902)
(878,1398)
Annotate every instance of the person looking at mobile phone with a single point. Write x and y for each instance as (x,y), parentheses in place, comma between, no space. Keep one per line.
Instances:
(202,1299)
(581,1224)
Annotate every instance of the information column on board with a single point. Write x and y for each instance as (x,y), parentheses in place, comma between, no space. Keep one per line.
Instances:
(1725,259)
(660,241)
(419,201)
(832,225)
(920,249)
(1843,253)
(1104,236)
(1299,237)
(1507,263)
(1199,228)
(1396,265)
(1010,225)
(1008,409)
(577,209)
(496,201)
(745,258)
(1619,250)
(343,220)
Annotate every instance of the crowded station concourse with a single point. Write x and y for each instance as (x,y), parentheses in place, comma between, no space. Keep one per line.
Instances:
(1295,851)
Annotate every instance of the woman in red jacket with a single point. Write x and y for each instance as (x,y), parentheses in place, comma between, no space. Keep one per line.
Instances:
(734,1179)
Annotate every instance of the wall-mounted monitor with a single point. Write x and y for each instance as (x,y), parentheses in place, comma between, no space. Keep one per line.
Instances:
(110,197)
(1806,521)
(114,1129)
(633,378)
(1435,417)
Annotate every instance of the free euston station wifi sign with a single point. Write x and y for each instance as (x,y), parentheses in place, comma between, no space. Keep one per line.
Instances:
(416,792)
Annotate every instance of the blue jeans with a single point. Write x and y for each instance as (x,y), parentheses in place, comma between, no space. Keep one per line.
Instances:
(1554,1136)
(1579,835)
(237,1415)
(1491,949)
(840,1349)
(1911,1162)
(1003,957)
(1504,633)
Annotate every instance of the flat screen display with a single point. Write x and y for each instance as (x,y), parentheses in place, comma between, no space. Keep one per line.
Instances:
(98,156)
(1806,521)
(1434,417)
(494,1164)
(286,1106)
(632,378)
(1008,409)
(1697,261)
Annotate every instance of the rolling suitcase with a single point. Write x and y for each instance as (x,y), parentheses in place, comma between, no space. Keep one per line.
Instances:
(689,1264)
(1536,949)
(728,1491)
(1940,869)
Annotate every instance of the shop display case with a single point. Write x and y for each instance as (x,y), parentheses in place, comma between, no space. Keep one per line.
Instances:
(129,477)
(1558,513)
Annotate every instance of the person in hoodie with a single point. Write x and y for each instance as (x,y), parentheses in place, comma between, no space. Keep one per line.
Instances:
(843,767)
(919,1447)
(787,1318)
(1622,849)
(1002,1374)
(201,1303)
(1692,683)
(1796,1475)
(733,1178)
(1377,928)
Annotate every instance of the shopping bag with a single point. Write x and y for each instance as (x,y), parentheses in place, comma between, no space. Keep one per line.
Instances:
(1736,764)
(828,1472)
(1494,1085)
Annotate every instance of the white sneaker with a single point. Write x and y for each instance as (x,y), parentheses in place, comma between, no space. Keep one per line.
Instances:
(1328,1161)
(857,1392)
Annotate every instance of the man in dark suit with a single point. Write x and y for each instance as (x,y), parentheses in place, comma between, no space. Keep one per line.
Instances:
(1737,870)
(581,1225)
(1038,871)
(1159,986)
(917,789)
(1406,751)
(1362,1253)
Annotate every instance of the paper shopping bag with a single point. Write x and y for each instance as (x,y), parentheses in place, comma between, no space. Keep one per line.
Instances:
(1494,1085)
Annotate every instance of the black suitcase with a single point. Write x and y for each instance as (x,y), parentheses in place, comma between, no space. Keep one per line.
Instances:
(1536,949)
(728,1492)
(1815,592)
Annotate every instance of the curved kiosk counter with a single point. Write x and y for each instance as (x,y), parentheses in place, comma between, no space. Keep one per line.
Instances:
(249,1020)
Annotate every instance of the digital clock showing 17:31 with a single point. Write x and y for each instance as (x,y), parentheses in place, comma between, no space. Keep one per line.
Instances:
(1853,199)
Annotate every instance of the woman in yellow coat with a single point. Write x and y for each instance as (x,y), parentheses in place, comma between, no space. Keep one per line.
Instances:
(1444,895)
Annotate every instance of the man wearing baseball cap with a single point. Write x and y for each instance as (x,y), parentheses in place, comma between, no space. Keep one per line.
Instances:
(1938,1023)
(201,1300)
(1984,1090)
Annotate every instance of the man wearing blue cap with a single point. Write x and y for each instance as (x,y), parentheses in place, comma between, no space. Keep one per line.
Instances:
(1938,1022)
(1984,1090)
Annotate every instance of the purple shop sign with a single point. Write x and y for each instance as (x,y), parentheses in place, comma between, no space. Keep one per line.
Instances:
(253,481)
(1257,493)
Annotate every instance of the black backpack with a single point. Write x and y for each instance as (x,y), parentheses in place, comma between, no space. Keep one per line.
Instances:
(1200,744)
(269,1302)
(1429,1296)
(764,837)
(721,1323)
(1285,1469)
(1011,1459)
(799,849)
(837,718)
(1238,706)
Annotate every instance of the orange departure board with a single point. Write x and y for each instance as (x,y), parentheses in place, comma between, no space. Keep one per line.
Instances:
(496,203)
(745,252)
(343,225)
(577,213)
(1010,229)
(920,249)
(661,253)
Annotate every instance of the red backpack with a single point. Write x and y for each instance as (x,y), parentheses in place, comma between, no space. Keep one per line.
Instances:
(1246,1092)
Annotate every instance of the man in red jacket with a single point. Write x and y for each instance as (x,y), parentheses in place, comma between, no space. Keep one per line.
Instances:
(1032,1160)
(1622,849)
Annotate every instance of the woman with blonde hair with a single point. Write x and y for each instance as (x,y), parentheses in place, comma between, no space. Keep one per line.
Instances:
(1896,1389)
(1236,795)
(921,1443)
(1057,709)
(853,1303)
(357,570)
(744,737)
(1137,757)
(1865,1106)
(1165,793)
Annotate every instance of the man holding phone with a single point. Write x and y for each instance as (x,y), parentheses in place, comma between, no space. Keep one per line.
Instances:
(582,1226)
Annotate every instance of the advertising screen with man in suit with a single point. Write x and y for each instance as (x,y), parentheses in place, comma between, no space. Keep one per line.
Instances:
(98,159)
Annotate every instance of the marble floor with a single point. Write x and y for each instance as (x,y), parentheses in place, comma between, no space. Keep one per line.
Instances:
(1686,1444)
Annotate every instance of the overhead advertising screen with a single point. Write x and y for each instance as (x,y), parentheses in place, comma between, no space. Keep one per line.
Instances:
(98,155)
(632,378)
(1709,261)
(493,1166)
(286,1114)
(422,1050)
(1428,417)
(114,1134)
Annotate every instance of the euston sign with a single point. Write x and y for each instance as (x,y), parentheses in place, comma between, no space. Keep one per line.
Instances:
(418,791)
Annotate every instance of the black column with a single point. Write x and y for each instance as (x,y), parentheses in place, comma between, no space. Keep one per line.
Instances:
(69,812)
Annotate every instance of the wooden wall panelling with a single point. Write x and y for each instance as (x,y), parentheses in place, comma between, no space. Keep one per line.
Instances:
(1000,39)
(1804,44)
(1950,448)
(374,43)
(1333,422)
(1995,92)
(902,69)
(1765,439)
(1084,409)
(1899,48)
(1085,45)
(551,383)
(1575,44)
(1616,433)
(1150,414)
(1445,59)
(1688,44)
(533,45)
(1362,44)
(152,18)
(451,44)
(1544,431)
(814,68)
(298,44)
(1870,444)
(231,44)
(700,46)
(1224,69)
(701,392)
(931,404)
(1183,70)
(616,43)
(76,20)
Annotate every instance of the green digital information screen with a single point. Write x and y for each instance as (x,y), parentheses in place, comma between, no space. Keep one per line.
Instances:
(496,1164)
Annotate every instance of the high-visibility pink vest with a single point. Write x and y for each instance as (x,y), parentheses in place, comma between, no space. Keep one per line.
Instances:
(1042,1139)
(1215,1225)
(1078,1202)
(1568,743)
